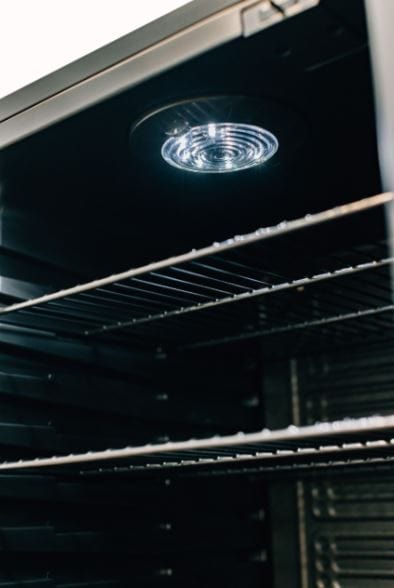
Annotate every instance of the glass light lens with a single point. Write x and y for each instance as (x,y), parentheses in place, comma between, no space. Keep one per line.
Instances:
(220,148)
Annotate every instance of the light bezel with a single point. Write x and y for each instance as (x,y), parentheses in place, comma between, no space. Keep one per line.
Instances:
(266,142)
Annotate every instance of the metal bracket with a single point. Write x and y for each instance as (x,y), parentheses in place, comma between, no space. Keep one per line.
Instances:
(269,12)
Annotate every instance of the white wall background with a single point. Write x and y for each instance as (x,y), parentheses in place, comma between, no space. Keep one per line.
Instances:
(40,36)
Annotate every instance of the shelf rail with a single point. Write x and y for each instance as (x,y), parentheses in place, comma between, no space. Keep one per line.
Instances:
(370,434)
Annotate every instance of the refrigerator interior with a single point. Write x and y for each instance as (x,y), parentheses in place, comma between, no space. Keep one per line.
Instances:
(220,413)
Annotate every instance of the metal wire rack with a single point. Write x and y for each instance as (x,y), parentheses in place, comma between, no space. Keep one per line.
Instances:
(229,291)
(301,466)
(364,438)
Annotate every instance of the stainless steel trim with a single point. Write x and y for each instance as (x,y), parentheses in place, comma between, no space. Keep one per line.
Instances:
(259,17)
(266,13)
(108,55)
(177,48)
(118,67)
(293,7)
(380,24)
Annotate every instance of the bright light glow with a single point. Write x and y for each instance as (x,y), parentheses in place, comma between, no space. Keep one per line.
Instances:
(211,130)
(220,148)
(39,36)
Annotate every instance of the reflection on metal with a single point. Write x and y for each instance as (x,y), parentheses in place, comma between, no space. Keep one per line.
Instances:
(267,13)
(359,436)
(380,25)
(259,17)
(206,34)
(380,19)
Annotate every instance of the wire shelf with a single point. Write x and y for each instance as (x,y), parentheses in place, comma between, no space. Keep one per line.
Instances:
(228,291)
(364,437)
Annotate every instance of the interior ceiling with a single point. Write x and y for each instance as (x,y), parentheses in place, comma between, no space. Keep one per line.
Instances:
(76,195)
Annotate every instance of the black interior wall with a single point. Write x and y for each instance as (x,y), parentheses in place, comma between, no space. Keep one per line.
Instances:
(74,195)
(68,533)
(58,529)
(59,395)
(53,404)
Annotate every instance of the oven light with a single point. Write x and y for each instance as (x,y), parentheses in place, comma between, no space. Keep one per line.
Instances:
(220,148)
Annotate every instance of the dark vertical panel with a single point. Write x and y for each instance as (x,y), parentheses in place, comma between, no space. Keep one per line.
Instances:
(282,494)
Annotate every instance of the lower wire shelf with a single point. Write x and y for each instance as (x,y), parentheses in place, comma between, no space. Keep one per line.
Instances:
(350,440)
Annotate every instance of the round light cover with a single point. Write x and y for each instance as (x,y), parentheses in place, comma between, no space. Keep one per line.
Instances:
(220,147)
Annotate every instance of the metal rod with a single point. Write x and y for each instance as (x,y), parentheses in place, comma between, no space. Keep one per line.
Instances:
(209,278)
(213,268)
(168,297)
(295,327)
(129,297)
(336,462)
(190,283)
(246,295)
(170,288)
